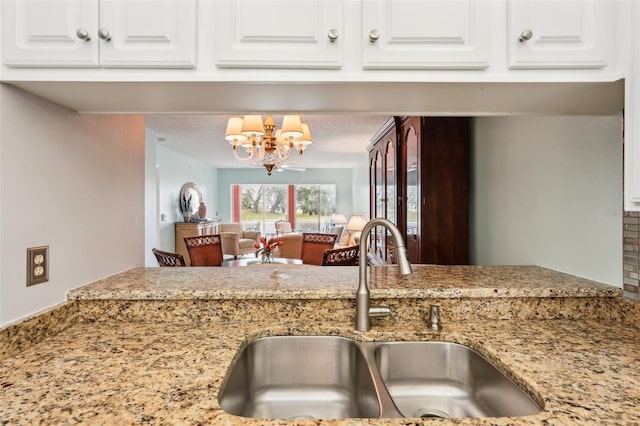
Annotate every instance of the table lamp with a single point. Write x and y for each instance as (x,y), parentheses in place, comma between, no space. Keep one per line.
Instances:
(354,226)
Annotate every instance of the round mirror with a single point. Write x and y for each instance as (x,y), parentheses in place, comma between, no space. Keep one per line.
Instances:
(190,198)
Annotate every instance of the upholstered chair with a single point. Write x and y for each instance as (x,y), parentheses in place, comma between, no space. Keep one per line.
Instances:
(338,230)
(236,241)
(291,247)
(166,258)
(282,227)
(314,245)
(341,256)
(204,250)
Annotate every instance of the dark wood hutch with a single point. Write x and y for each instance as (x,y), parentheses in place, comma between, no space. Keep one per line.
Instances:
(419,180)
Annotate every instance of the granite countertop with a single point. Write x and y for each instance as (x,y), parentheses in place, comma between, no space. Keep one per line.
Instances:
(312,282)
(585,372)
(153,345)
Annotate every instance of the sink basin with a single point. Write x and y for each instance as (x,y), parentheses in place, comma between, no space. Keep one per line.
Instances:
(439,379)
(326,377)
(319,377)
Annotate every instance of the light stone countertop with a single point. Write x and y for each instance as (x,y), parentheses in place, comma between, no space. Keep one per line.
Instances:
(121,373)
(153,345)
(314,282)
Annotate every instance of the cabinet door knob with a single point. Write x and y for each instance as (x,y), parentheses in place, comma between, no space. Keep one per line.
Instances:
(374,35)
(104,34)
(525,35)
(83,34)
(333,35)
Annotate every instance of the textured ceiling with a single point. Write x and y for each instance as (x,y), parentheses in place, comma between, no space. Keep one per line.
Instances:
(339,141)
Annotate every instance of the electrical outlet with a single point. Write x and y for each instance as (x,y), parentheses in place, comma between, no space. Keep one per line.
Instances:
(37,265)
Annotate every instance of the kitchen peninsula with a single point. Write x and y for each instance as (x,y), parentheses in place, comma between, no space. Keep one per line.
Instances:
(153,345)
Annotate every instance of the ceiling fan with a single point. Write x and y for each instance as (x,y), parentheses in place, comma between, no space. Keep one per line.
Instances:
(283,168)
(286,167)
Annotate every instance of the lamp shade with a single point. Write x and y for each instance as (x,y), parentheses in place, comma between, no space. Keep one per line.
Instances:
(356,223)
(291,126)
(252,125)
(306,138)
(339,219)
(234,130)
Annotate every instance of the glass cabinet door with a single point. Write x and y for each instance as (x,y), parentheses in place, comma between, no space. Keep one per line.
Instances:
(379,185)
(390,201)
(390,182)
(412,191)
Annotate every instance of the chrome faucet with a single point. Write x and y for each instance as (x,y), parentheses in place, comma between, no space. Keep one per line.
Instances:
(363,311)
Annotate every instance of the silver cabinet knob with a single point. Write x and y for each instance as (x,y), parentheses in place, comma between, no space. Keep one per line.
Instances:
(374,35)
(333,35)
(525,35)
(83,34)
(104,34)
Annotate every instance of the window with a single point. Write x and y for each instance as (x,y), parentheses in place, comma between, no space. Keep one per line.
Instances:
(314,206)
(308,207)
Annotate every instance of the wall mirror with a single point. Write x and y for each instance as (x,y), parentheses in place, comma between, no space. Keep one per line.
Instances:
(190,198)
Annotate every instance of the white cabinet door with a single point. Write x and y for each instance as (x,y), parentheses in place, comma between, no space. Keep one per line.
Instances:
(49,33)
(278,33)
(425,34)
(65,33)
(148,34)
(560,33)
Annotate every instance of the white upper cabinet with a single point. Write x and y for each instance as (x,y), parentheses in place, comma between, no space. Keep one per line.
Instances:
(50,33)
(560,33)
(278,33)
(105,33)
(148,33)
(426,34)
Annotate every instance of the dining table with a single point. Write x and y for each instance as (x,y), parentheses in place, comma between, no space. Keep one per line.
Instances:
(247,261)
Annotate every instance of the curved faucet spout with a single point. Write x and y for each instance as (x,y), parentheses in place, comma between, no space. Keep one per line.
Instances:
(363,311)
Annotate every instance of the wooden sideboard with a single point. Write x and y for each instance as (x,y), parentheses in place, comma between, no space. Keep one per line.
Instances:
(191,229)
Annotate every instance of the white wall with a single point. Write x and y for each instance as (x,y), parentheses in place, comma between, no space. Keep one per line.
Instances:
(360,190)
(151,197)
(173,171)
(74,183)
(548,191)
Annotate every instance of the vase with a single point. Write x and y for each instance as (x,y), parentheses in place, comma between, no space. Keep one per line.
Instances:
(186,217)
(202,210)
(267,257)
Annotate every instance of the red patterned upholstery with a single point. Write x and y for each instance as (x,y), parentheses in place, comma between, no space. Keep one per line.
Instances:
(314,245)
(166,258)
(341,256)
(204,250)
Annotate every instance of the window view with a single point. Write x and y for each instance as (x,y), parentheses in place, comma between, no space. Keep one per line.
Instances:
(314,205)
(262,204)
(308,207)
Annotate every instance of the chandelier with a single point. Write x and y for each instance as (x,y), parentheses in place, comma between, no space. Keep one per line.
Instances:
(265,146)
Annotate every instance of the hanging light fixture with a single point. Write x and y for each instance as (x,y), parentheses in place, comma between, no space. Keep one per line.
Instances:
(265,145)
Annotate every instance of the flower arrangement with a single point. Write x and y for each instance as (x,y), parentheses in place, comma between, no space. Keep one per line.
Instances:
(265,248)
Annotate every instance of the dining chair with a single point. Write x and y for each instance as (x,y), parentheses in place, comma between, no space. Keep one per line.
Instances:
(282,227)
(341,256)
(314,245)
(205,250)
(167,258)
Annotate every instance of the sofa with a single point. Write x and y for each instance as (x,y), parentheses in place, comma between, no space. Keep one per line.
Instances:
(236,241)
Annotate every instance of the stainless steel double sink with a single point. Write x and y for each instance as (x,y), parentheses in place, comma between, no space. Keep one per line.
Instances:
(328,377)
